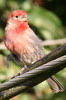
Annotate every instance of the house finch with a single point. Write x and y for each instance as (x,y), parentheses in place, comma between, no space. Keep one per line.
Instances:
(24,45)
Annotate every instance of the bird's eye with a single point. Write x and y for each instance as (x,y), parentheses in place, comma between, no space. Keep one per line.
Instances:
(16,16)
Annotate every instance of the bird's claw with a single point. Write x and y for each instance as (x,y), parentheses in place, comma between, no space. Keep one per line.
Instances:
(19,73)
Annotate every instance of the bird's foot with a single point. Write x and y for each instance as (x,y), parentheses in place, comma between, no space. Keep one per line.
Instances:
(19,73)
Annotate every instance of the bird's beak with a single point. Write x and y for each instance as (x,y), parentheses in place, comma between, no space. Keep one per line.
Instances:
(23,18)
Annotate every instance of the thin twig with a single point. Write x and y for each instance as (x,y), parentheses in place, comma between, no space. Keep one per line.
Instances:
(54,42)
(44,43)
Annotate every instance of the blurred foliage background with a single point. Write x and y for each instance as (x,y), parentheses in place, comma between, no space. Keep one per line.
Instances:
(48,20)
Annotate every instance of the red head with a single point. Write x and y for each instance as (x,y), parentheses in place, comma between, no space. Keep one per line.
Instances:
(18,13)
(18,18)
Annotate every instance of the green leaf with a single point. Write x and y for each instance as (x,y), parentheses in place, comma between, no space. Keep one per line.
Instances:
(47,22)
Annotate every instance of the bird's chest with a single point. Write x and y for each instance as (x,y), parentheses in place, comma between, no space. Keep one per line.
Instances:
(27,49)
(14,43)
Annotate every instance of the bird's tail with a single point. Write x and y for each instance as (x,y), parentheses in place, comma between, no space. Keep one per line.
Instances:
(55,85)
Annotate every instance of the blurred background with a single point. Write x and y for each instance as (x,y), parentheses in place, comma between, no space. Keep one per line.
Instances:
(48,20)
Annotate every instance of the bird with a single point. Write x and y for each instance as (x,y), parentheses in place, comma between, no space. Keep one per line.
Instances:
(25,46)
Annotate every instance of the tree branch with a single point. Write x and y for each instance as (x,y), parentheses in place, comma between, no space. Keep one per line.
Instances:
(54,42)
(44,43)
